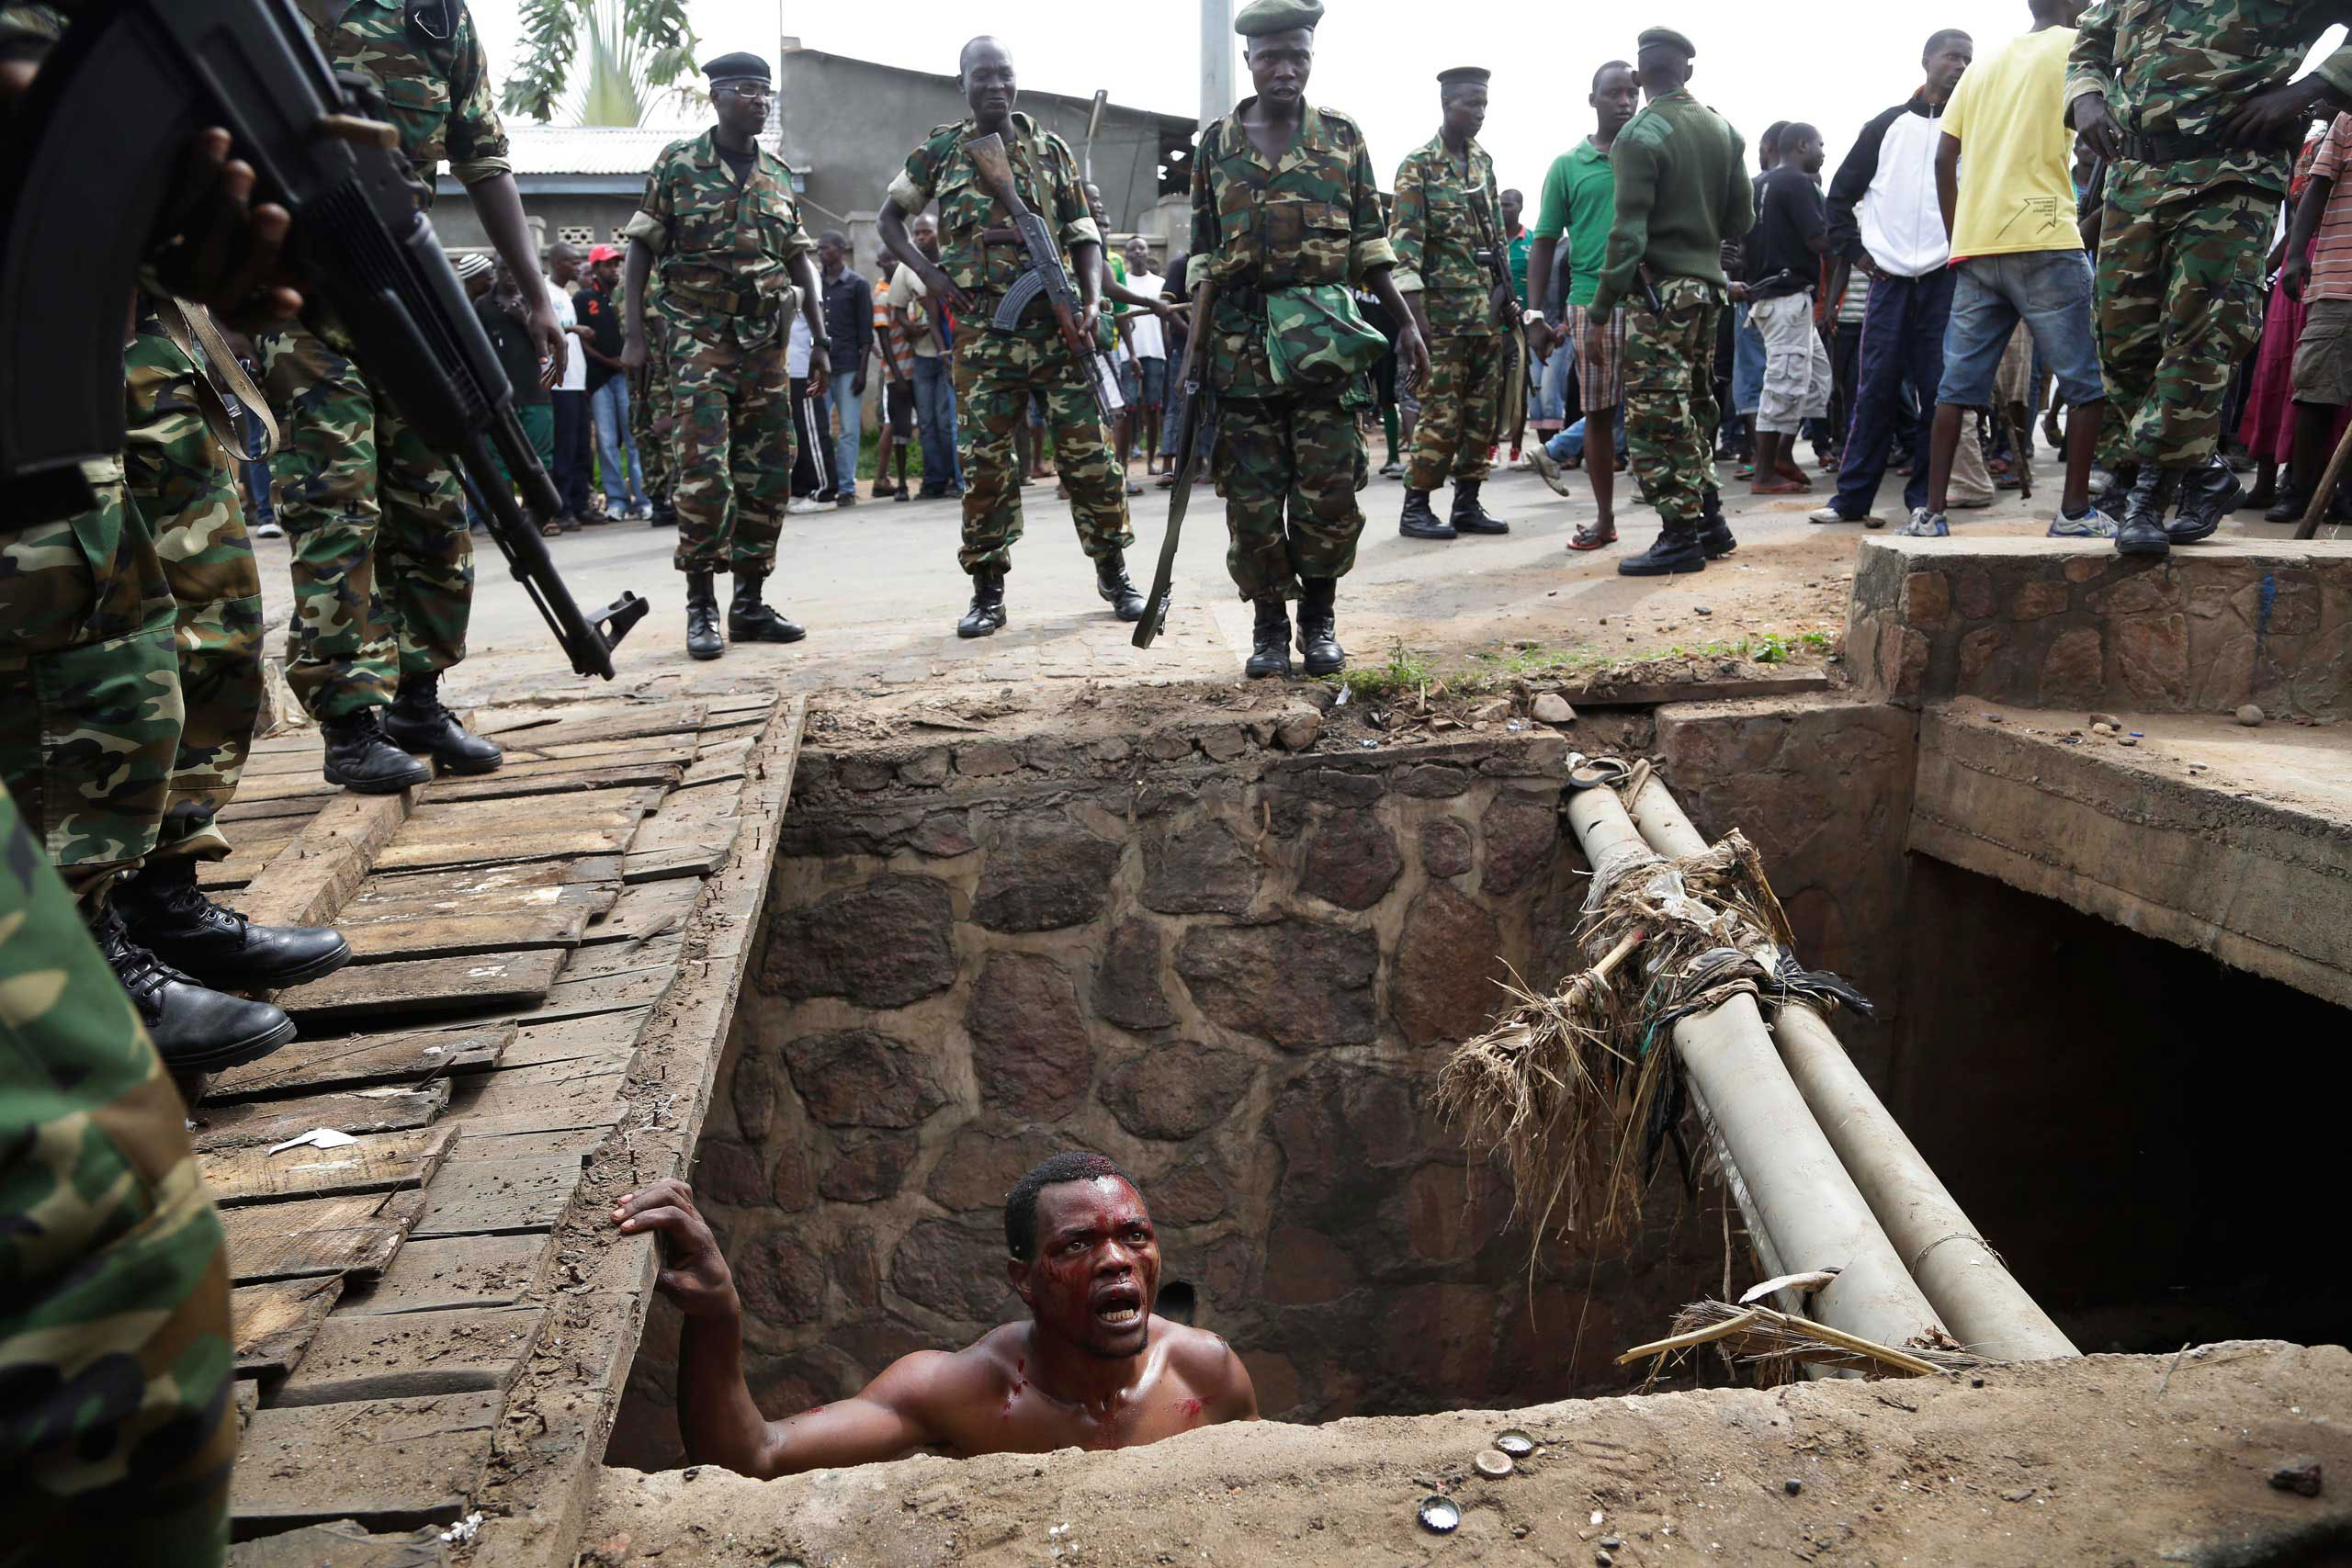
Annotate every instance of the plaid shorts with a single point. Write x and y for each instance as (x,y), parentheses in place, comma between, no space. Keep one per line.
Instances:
(1600,381)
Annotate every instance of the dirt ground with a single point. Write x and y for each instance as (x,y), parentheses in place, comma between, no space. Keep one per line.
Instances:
(2112,1459)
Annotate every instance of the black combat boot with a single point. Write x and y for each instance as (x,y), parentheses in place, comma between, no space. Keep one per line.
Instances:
(2117,495)
(1418,522)
(163,911)
(1469,517)
(359,758)
(2206,495)
(1715,539)
(703,640)
(987,613)
(750,619)
(196,1029)
(1111,581)
(1676,550)
(418,722)
(2288,507)
(1318,635)
(2143,532)
(1270,644)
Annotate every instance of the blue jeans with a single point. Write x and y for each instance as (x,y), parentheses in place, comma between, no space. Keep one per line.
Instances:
(2048,290)
(1747,363)
(1551,383)
(616,448)
(850,409)
(1568,445)
(935,421)
(1903,338)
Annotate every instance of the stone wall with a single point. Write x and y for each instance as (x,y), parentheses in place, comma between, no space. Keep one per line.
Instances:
(1231,968)
(2049,623)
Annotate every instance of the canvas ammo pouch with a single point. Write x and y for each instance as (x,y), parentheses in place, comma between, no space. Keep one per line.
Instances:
(1315,338)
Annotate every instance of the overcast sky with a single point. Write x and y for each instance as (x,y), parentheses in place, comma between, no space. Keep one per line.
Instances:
(1377,60)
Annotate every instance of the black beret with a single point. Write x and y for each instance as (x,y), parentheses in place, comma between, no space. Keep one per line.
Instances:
(1462,73)
(738,67)
(1263,16)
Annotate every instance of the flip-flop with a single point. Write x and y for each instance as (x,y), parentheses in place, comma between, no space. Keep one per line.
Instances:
(550,530)
(1779,487)
(1584,538)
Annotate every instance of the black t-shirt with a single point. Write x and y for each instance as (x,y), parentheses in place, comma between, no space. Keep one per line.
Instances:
(517,354)
(1790,214)
(601,312)
(739,163)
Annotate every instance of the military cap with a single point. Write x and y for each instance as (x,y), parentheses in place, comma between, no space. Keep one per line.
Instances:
(1462,75)
(1667,37)
(1263,16)
(738,67)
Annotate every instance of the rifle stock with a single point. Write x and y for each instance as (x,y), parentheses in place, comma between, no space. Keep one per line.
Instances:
(114,109)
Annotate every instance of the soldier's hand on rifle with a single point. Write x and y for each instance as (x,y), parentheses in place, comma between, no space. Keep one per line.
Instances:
(2270,119)
(633,352)
(1412,358)
(2096,127)
(1503,300)
(820,368)
(226,252)
(937,281)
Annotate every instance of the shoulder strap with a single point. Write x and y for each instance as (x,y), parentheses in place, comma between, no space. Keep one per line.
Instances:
(223,388)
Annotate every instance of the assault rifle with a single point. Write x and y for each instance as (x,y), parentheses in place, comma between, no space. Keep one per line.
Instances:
(1497,249)
(90,183)
(1198,431)
(1045,276)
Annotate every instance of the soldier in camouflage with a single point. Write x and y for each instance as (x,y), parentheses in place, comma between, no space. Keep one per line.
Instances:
(1286,217)
(720,219)
(383,567)
(2198,111)
(1682,188)
(650,421)
(999,372)
(117,1362)
(1445,224)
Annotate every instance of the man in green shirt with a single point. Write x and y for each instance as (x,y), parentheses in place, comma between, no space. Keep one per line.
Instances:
(1681,186)
(1581,199)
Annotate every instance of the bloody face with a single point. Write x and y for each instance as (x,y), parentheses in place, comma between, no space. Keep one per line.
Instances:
(1097,1267)
(1279,63)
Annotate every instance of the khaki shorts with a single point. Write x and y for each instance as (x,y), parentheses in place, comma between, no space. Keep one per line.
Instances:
(2324,354)
(1600,382)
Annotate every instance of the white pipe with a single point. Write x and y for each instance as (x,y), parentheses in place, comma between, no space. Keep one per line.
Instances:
(1989,1311)
(1805,1203)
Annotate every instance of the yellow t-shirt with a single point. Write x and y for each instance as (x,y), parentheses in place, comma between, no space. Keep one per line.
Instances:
(2009,114)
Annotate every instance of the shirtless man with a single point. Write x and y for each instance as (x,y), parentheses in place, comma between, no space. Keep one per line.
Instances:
(1092,1367)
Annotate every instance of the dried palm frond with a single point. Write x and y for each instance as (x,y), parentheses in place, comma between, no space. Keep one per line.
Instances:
(1778,1342)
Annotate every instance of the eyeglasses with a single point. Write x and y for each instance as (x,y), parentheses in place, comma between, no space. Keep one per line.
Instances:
(750,90)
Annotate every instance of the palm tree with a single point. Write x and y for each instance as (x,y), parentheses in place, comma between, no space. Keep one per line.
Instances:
(641,52)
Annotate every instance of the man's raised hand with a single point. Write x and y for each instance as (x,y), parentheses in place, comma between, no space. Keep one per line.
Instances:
(693,1273)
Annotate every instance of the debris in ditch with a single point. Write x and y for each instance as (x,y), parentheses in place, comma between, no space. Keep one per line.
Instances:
(2102,729)
(1440,1516)
(2300,1475)
(1781,1342)
(2250,716)
(2107,720)
(2129,740)
(1492,1463)
(1518,1444)
(1553,708)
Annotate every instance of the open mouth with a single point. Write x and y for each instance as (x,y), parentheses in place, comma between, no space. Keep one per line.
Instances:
(1119,1308)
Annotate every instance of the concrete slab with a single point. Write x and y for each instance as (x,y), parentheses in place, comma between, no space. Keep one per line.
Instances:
(2228,840)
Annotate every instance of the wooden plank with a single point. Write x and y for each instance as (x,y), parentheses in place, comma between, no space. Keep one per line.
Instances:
(645,909)
(392,898)
(297,808)
(458,936)
(440,1273)
(319,1235)
(312,876)
(563,776)
(485,880)
(1651,693)
(438,819)
(605,993)
(655,953)
(251,1123)
(571,1039)
(687,843)
(287,786)
(423,987)
(584,1093)
(376,1163)
(273,1324)
(408,1357)
(354,1060)
(498,1197)
(671,718)
(568,842)
(385,1464)
(342,1544)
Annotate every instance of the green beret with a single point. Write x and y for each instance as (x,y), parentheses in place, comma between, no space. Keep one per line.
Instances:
(1462,73)
(1667,37)
(738,67)
(1263,16)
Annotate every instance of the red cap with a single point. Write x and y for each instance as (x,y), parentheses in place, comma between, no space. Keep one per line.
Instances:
(603,254)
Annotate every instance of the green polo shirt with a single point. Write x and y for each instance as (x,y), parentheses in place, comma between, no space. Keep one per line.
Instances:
(1580,200)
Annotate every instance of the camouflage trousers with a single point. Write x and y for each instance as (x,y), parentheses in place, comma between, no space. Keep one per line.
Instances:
(1670,411)
(116,1429)
(1289,469)
(997,374)
(649,413)
(2179,301)
(182,487)
(1462,407)
(89,686)
(383,567)
(730,452)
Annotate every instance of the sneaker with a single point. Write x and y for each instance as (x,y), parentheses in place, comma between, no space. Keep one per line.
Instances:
(2092,524)
(1831,515)
(802,505)
(1925,524)
(1540,458)
(846,498)
(269,530)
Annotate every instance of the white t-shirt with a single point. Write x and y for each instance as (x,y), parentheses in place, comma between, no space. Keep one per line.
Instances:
(575,363)
(1142,325)
(797,352)
(907,293)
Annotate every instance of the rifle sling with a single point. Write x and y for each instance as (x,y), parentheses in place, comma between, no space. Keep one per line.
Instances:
(220,378)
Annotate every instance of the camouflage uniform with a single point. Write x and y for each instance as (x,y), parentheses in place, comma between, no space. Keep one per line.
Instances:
(382,565)
(648,400)
(726,299)
(2188,221)
(996,372)
(1312,217)
(117,1429)
(1437,233)
(182,485)
(1670,412)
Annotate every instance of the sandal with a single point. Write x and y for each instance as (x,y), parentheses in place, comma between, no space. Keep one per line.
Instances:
(550,529)
(1594,536)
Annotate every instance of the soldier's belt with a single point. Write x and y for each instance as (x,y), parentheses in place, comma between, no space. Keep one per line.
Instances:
(1001,237)
(2174,147)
